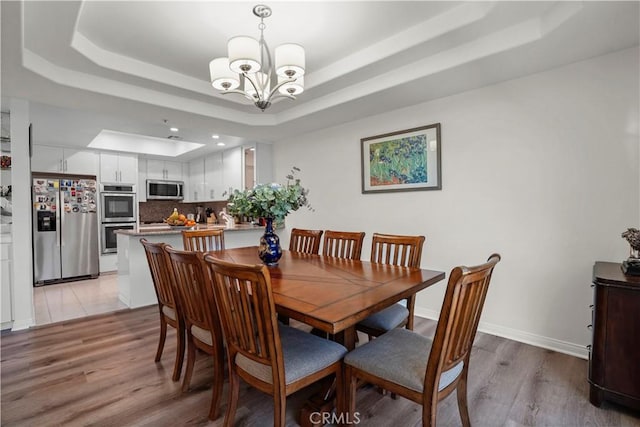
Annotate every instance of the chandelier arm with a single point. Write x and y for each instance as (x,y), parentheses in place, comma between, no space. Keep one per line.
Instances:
(282,95)
(258,91)
(274,91)
(239,92)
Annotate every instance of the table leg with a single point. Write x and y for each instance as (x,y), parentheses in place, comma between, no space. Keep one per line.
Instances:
(347,338)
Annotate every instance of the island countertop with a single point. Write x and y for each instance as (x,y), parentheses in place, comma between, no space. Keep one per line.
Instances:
(160,228)
(135,285)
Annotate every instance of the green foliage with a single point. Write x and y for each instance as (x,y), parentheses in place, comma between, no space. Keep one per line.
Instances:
(270,200)
(399,161)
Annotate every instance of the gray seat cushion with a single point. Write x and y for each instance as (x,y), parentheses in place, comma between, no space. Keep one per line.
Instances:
(169,312)
(303,354)
(202,334)
(399,356)
(387,319)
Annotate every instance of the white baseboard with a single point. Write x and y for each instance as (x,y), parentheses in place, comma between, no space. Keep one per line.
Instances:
(19,325)
(565,347)
(6,325)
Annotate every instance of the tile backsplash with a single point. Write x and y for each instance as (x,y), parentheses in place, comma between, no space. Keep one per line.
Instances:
(158,210)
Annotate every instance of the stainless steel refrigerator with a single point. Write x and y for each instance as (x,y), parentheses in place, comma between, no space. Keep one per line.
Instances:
(65,228)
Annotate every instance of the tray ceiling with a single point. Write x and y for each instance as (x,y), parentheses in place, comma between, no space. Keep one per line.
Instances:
(148,61)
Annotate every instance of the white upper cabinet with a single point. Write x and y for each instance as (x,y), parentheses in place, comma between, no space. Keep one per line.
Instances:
(232,169)
(118,167)
(64,160)
(167,170)
(196,188)
(142,180)
(214,185)
(218,174)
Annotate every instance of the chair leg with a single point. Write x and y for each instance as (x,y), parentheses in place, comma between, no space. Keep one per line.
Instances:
(191,359)
(279,408)
(341,407)
(350,382)
(218,380)
(177,367)
(429,413)
(163,336)
(461,393)
(232,404)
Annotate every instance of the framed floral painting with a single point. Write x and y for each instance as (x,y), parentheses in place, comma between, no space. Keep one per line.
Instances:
(405,160)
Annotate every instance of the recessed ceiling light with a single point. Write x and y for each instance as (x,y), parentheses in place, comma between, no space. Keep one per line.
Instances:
(174,129)
(215,136)
(252,149)
(220,144)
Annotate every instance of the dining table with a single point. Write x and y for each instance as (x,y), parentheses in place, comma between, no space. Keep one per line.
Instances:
(332,295)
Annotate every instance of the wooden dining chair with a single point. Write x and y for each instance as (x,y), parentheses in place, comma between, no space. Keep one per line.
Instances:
(201,320)
(418,368)
(203,240)
(405,251)
(168,302)
(274,358)
(343,244)
(305,241)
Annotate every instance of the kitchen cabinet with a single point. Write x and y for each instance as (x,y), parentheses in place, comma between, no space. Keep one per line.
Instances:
(614,371)
(118,167)
(142,180)
(63,160)
(161,169)
(6,281)
(196,188)
(223,174)
(232,170)
(213,176)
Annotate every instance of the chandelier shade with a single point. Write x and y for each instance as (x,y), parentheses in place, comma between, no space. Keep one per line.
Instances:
(249,62)
(290,60)
(291,88)
(222,78)
(261,81)
(244,54)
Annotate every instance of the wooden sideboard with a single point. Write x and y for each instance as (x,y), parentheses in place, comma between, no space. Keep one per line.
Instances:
(614,356)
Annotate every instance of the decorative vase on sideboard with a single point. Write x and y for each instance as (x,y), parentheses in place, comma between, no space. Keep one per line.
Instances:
(269,250)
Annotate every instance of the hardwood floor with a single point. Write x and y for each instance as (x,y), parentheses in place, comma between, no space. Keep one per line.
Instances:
(99,371)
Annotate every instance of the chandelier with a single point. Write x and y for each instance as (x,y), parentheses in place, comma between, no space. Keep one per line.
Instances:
(249,63)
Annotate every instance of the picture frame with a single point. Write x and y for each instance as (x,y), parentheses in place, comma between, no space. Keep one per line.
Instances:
(406,160)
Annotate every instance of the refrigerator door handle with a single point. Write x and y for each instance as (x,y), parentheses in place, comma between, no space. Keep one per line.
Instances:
(59,221)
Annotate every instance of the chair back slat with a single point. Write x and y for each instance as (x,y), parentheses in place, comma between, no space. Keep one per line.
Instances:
(404,251)
(458,322)
(195,290)
(305,241)
(203,240)
(161,274)
(247,310)
(343,244)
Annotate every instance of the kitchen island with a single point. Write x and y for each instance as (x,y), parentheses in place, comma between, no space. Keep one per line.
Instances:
(135,286)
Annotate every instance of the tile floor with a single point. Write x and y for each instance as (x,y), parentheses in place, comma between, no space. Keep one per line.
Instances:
(64,301)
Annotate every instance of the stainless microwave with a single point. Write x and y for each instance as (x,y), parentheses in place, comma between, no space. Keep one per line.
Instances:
(165,190)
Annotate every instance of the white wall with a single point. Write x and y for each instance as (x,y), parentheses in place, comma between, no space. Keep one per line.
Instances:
(542,169)
(23,315)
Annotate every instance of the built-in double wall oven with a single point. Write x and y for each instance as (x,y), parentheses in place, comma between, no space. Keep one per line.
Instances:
(118,212)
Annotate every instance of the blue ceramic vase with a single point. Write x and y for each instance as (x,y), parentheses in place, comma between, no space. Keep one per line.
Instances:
(269,250)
